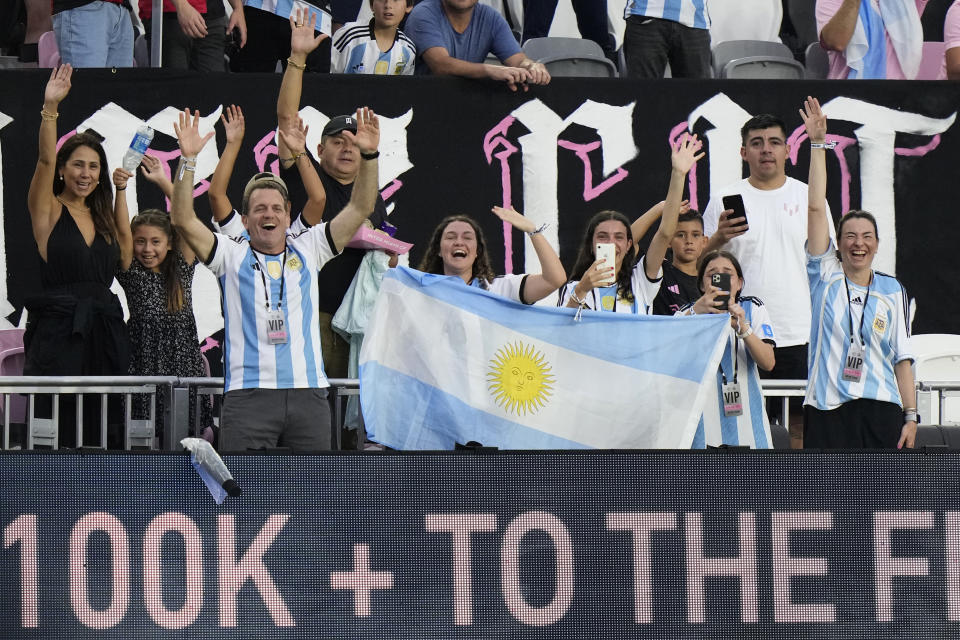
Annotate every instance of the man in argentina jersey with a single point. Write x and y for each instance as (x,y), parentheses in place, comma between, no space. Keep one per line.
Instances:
(860,390)
(662,31)
(275,386)
(376,47)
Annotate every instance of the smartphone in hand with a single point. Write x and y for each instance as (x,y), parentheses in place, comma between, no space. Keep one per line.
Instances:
(608,252)
(722,281)
(735,202)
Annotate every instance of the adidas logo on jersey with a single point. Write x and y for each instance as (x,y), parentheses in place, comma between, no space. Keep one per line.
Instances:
(857,300)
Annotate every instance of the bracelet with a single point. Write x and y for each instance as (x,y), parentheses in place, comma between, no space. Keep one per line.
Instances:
(46,115)
(823,145)
(910,415)
(294,157)
(575,298)
(120,188)
(370,156)
(186,164)
(295,65)
(746,334)
(539,229)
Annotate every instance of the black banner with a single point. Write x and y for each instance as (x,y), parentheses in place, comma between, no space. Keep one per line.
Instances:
(559,153)
(514,545)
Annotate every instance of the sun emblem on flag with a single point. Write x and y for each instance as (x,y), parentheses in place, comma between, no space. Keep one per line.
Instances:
(519,379)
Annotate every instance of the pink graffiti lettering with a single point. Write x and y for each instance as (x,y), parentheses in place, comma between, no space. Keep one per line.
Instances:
(583,152)
(494,139)
(262,152)
(796,140)
(209,343)
(64,138)
(390,189)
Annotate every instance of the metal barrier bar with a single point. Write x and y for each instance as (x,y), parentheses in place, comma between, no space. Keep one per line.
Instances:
(156,34)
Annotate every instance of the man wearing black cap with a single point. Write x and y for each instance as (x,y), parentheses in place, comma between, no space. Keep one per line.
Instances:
(339,165)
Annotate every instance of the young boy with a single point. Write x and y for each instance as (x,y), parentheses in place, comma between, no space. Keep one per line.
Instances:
(377,47)
(679,285)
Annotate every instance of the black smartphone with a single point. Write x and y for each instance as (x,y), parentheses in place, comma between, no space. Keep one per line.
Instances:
(735,202)
(722,281)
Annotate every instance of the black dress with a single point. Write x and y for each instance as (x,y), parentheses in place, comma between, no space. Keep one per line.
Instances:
(75,326)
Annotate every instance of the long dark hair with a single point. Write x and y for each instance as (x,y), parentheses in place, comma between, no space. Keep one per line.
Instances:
(168,268)
(100,199)
(713,255)
(432,261)
(587,255)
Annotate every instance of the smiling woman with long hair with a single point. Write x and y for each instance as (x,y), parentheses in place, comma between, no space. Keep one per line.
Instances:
(75,327)
(860,387)
(457,248)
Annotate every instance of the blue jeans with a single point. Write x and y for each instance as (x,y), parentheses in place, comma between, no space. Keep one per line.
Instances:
(98,34)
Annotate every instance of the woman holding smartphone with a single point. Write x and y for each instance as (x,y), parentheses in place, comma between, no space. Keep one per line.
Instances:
(621,283)
(738,414)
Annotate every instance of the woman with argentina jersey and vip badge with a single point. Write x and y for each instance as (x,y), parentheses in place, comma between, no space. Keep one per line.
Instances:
(860,388)
(607,276)
(737,415)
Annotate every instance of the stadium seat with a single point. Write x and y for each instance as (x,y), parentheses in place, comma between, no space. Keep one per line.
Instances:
(570,57)
(48,53)
(818,64)
(741,59)
(937,360)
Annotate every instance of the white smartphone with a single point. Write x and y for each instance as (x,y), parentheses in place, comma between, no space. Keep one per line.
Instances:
(607,251)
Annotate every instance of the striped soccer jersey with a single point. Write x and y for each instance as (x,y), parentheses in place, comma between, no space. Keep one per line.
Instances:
(644,292)
(355,50)
(885,333)
(752,428)
(690,13)
(291,283)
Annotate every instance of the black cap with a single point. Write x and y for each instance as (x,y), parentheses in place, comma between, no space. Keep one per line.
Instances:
(338,124)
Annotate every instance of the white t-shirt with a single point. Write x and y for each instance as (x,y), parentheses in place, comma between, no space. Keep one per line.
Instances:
(771,253)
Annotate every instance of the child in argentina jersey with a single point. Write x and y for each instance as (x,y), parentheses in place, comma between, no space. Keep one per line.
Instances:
(845,314)
(265,285)
(355,50)
(752,428)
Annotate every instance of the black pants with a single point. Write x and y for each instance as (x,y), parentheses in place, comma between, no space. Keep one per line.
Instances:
(650,43)
(180,51)
(268,42)
(857,424)
(591,21)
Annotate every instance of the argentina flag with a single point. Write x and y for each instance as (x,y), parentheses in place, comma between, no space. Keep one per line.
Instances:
(444,363)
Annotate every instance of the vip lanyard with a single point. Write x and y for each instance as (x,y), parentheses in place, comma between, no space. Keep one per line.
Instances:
(283,282)
(863,313)
(736,360)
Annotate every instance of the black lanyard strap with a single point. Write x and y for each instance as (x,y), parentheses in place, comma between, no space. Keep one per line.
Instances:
(283,282)
(863,311)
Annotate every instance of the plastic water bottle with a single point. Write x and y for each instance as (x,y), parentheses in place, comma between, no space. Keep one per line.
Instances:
(138,147)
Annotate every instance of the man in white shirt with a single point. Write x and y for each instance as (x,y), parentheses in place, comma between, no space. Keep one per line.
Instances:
(770,245)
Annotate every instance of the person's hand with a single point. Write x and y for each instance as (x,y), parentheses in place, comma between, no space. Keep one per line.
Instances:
(516,220)
(239,22)
(120,177)
(684,206)
(394,258)
(152,169)
(908,435)
(295,138)
(513,76)
(738,317)
(814,120)
(728,228)
(191,22)
(598,274)
(188,134)
(686,152)
(538,72)
(58,86)
(708,302)
(233,124)
(367,137)
(303,38)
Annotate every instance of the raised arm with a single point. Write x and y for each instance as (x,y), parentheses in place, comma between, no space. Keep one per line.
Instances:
(836,33)
(295,139)
(818,233)
(642,224)
(234,127)
(194,232)
(41,202)
(152,170)
(685,154)
(364,195)
(552,276)
(302,42)
(121,216)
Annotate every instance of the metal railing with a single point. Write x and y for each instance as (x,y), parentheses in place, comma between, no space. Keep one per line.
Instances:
(174,421)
